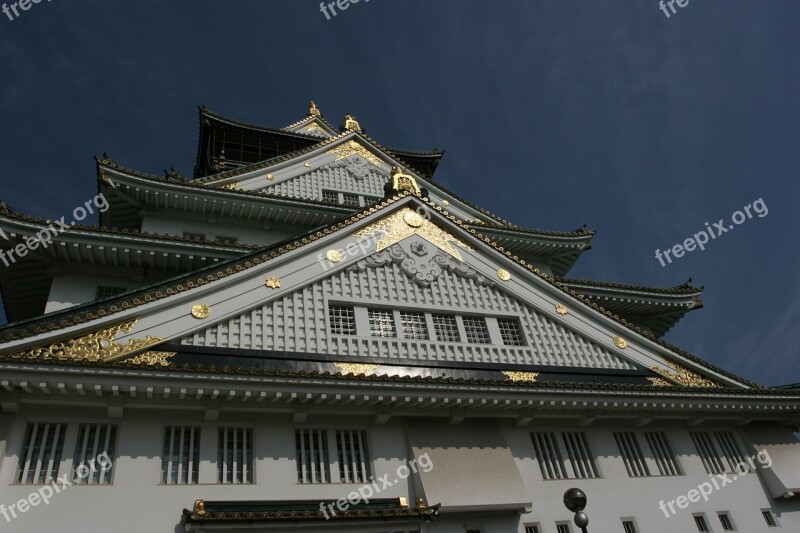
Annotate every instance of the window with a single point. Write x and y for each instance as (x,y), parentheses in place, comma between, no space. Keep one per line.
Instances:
(563,528)
(628,526)
(181,455)
(194,236)
(104,292)
(700,522)
(342,320)
(475,329)
(350,200)
(93,441)
(414,326)
(381,323)
(719,451)
(312,456)
(353,456)
(446,328)
(330,196)
(532,529)
(632,454)
(41,454)
(510,332)
(769,518)
(725,520)
(235,456)
(665,459)
(580,463)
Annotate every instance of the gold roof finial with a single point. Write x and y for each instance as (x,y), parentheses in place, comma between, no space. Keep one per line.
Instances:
(313,110)
(351,124)
(403,182)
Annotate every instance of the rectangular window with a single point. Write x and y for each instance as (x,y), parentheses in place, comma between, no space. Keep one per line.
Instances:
(719,451)
(41,453)
(725,520)
(104,292)
(181,455)
(414,326)
(476,330)
(532,529)
(628,526)
(94,440)
(769,518)
(312,456)
(700,522)
(446,328)
(549,456)
(510,332)
(330,197)
(235,456)
(342,320)
(351,200)
(730,450)
(580,457)
(632,454)
(381,323)
(665,459)
(563,528)
(353,456)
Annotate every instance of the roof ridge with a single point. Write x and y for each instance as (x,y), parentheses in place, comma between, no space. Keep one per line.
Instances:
(685,288)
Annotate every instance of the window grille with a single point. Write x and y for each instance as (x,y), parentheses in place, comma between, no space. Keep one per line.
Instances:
(769,518)
(353,456)
(235,456)
(181,455)
(446,328)
(628,526)
(475,329)
(330,197)
(414,326)
(549,456)
(313,465)
(342,320)
(510,332)
(719,451)
(41,454)
(93,441)
(632,454)
(665,459)
(579,454)
(381,323)
(563,528)
(351,200)
(532,529)
(700,522)
(725,520)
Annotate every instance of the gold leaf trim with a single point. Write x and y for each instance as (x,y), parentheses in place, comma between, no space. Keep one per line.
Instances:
(273,282)
(356,369)
(152,358)
(658,382)
(352,147)
(529,377)
(231,186)
(405,223)
(682,376)
(98,346)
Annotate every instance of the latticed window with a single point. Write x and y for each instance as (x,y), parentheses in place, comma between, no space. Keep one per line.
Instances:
(719,451)
(104,292)
(350,200)
(41,453)
(632,454)
(579,463)
(414,325)
(532,529)
(330,196)
(579,454)
(235,456)
(381,323)
(446,328)
(726,522)
(700,522)
(549,456)
(563,528)
(510,331)
(628,526)
(769,518)
(662,453)
(313,465)
(94,440)
(342,320)
(476,330)
(180,458)
(353,456)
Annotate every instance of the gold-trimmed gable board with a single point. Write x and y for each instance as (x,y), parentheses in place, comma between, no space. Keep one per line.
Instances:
(680,375)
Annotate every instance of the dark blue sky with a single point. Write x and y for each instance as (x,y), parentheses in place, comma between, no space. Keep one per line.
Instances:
(554,113)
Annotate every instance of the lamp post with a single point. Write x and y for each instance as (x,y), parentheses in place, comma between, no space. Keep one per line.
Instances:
(575,501)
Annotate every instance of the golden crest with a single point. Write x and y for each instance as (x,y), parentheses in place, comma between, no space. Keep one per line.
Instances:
(529,377)
(273,282)
(620,342)
(201,311)
(413,219)
(334,256)
(561,310)
(504,275)
(356,369)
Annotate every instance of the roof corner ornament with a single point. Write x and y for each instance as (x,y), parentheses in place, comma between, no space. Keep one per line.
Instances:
(313,110)
(402,182)
(351,124)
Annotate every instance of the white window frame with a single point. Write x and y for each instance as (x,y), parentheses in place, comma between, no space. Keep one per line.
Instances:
(33,455)
(240,472)
(192,455)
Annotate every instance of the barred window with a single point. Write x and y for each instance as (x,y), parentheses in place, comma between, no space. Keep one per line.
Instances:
(354,464)
(727,523)
(476,330)
(446,328)
(510,332)
(579,463)
(313,465)
(700,522)
(235,456)
(351,200)
(342,320)
(414,326)
(628,526)
(104,292)
(662,453)
(93,441)
(180,458)
(532,529)
(330,196)
(769,518)
(563,528)
(632,454)
(549,456)
(579,454)
(719,451)
(381,323)
(41,453)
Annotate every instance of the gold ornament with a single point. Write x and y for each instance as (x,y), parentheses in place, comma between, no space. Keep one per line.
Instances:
(152,358)
(395,228)
(231,186)
(352,147)
(445,203)
(351,124)
(98,346)
(529,377)
(504,275)
(561,310)
(402,182)
(307,165)
(681,376)
(356,369)
(201,311)
(314,127)
(273,282)
(313,110)
(334,256)
(270,177)
(620,342)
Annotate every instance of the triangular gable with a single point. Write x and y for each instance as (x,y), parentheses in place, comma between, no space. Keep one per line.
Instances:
(314,126)
(183,308)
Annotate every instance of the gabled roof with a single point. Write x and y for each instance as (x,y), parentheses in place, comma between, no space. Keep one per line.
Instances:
(156,299)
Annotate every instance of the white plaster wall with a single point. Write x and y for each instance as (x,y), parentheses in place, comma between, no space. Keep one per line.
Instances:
(72,288)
